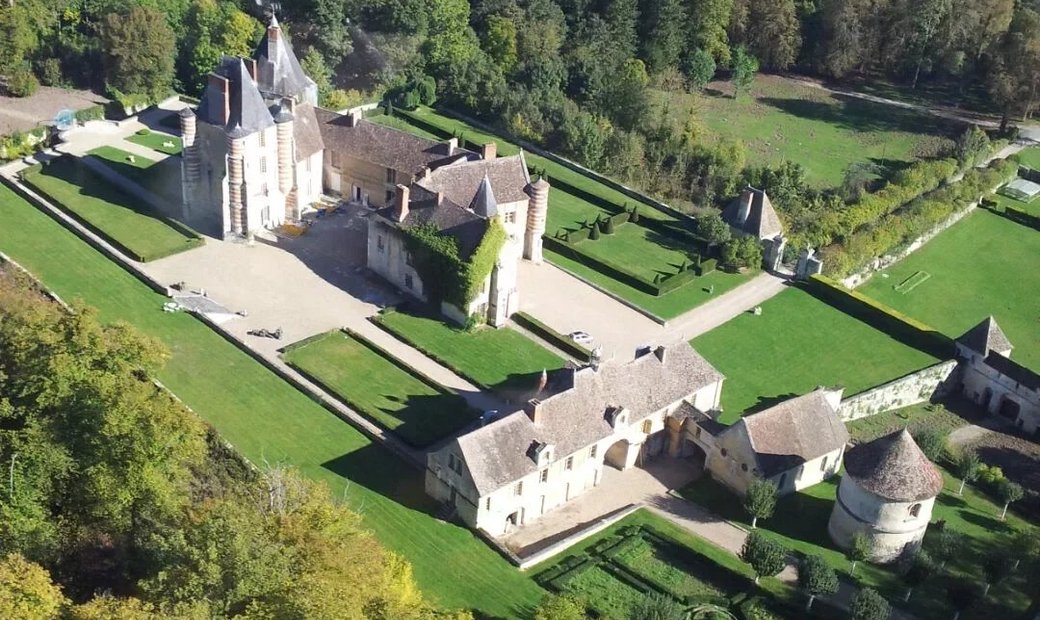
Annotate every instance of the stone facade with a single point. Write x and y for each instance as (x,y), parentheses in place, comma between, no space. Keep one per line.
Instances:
(926,384)
(892,528)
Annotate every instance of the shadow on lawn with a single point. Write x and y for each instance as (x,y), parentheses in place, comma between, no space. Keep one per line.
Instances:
(858,115)
(380,471)
(428,419)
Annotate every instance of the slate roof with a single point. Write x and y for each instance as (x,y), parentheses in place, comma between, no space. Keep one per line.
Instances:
(793,432)
(1013,370)
(248,112)
(497,454)
(306,131)
(279,73)
(760,219)
(460,181)
(484,203)
(467,227)
(893,467)
(986,336)
(384,146)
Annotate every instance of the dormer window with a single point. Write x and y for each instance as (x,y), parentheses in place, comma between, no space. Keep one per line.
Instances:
(617,417)
(542,453)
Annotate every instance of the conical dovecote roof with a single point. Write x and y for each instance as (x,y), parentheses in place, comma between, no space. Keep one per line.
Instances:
(484,203)
(893,467)
(985,337)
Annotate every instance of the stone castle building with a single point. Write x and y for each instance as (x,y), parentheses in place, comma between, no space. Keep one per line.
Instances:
(752,215)
(886,494)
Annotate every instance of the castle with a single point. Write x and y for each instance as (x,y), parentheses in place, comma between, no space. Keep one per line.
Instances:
(259,153)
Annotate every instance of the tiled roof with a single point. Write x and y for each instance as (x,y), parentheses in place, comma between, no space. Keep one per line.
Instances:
(986,336)
(248,113)
(460,181)
(279,73)
(753,213)
(893,467)
(384,146)
(793,432)
(497,454)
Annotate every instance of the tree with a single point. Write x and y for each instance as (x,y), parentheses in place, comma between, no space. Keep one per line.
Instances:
(842,45)
(920,569)
(700,68)
(760,498)
(858,551)
(816,577)
(745,66)
(774,33)
(560,607)
(995,567)
(1009,492)
(962,596)
(931,441)
(628,99)
(657,606)
(966,465)
(948,544)
(742,252)
(138,49)
(921,22)
(867,604)
(27,592)
(1023,546)
(622,18)
(500,42)
(713,229)
(661,34)
(708,22)
(452,42)
(972,147)
(766,556)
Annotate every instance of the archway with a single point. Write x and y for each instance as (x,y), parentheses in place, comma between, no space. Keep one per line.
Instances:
(1009,408)
(618,455)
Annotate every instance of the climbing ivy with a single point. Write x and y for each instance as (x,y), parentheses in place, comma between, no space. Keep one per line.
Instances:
(483,260)
(445,275)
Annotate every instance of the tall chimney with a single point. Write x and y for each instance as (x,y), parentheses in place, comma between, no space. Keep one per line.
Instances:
(220,99)
(453,143)
(353,118)
(489,151)
(402,202)
(535,410)
(661,353)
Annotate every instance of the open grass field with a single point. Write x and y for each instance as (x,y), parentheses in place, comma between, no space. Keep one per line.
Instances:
(797,344)
(1030,157)
(267,420)
(503,360)
(380,389)
(983,265)
(122,218)
(782,119)
(643,251)
(158,141)
(800,522)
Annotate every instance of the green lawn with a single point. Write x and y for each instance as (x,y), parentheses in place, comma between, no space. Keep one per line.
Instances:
(157,141)
(983,265)
(503,360)
(399,123)
(796,344)
(380,389)
(944,417)
(1030,157)
(118,216)
(785,120)
(1032,207)
(269,421)
(643,251)
(606,593)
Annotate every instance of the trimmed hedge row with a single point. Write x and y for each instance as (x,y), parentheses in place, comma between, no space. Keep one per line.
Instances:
(1015,215)
(881,317)
(554,337)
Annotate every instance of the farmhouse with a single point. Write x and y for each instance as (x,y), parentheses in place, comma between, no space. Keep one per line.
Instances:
(991,379)
(752,215)
(795,444)
(515,469)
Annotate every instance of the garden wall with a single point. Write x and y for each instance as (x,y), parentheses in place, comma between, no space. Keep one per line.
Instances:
(932,382)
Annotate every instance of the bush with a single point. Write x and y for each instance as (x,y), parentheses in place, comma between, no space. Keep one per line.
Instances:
(932,442)
(22,83)
(144,131)
(867,604)
(49,72)
(607,226)
(594,232)
(991,476)
(93,113)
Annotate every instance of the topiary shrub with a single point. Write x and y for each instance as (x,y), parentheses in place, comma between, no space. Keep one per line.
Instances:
(594,232)
(635,215)
(144,131)
(607,226)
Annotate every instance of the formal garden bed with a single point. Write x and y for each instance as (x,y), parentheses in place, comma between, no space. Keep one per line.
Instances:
(122,219)
(381,387)
(796,344)
(157,141)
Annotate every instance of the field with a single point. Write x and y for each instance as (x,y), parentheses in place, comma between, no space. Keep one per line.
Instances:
(157,141)
(267,420)
(503,360)
(119,217)
(983,265)
(380,389)
(799,343)
(787,120)
(800,522)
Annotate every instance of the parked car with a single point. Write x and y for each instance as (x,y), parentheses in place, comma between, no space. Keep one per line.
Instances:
(581,338)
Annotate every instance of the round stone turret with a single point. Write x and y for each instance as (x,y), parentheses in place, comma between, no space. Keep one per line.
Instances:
(537,209)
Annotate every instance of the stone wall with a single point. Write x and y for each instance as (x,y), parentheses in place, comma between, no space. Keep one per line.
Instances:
(902,392)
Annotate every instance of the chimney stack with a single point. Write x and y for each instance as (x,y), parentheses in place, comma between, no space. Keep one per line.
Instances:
(660,352)
(535,410)
(354,117)
(402,202)
(489,151)
(251,67)
(220,104)
(453,143)
(440,198)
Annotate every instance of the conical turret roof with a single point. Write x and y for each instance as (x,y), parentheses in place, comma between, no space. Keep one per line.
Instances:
(985,337)
(484,203)
(893,467)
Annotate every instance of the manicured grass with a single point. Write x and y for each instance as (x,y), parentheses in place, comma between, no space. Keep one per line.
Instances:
(157,141)
(268,421)
(939,416)
(786,120)
(499,359)
(365,378)
(643,251)
(1032,207)
(983,265)
(663,565)
(122,218)
(796,344)
(606,593)
(1030,157)
(399,123)
(667,306)
(162,178)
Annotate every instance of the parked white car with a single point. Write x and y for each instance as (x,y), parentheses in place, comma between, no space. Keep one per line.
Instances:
(581,338)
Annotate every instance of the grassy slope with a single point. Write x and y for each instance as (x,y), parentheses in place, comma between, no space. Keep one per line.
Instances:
(380,389)
(984,265)
(784,120)
(797,344)
(267,420)
(116,214)
(155,140)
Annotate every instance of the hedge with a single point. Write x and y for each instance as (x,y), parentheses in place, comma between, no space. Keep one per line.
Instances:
(93,113)
(614,271)
(552,336)
(707,265)
(673,282)
(1017,215)
(881,317)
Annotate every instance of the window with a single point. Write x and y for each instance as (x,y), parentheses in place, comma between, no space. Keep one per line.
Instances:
(389,198)
(743,467)
(408,258)
(592,452)
(263,139)
(455,463)
(724,452)
(381,243)
(648,425)
(510,217)
(451,462)
(697,432)
(487,504)
(544,476)
(519,488)
(915,511)
(263,163)
(823,464)
(391,175)
(783,480)
(408,280)
(569,463)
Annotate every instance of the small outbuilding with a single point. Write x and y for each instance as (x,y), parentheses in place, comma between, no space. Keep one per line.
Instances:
(887,494)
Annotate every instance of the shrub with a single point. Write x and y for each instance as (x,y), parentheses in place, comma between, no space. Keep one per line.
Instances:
(93,113)
(932,442)
(144,131)
(49,72)
(816,577)
(760,500)
(22,83)
(991,475)
(766,556)
(594,232)
(607,226)
(742,252)
(867,604)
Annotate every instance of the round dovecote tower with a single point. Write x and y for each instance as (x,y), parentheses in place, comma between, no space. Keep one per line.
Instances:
(537,208)
(887,494)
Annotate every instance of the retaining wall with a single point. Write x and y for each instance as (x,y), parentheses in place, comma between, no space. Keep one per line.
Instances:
(917,387)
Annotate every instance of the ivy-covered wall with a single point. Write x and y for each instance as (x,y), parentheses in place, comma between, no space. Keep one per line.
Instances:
(445,275)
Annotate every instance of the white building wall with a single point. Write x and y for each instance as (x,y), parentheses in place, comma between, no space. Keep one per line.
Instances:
(891,527)
(265,205)
(308,180)
(980,382)
(732,463)
(388,257)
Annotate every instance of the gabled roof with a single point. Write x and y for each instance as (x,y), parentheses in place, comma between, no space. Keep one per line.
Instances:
(893,467)
(985,337)
(793,432)
(384,146)
(459,181)
(279,73)
(466,227)
(496,454)
(483,203)
(247,111)
(1013,370)
(753,214)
